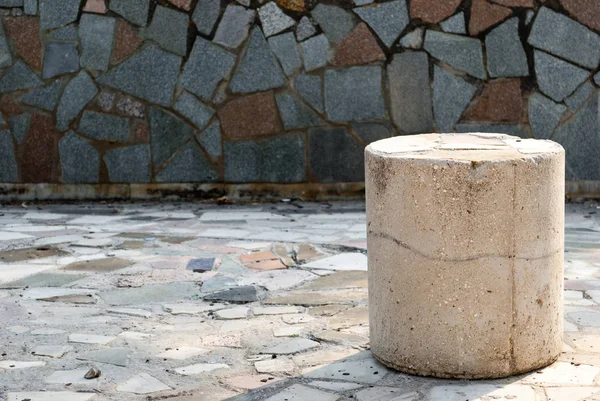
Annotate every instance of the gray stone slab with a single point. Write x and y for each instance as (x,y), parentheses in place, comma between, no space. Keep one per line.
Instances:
(298,392)
(295,114)
(293,346)
(557,78)
(150,74)
(30,7)
(335,21)
(210,139)
(373,131)
(129,164)
(258,69)
(305,29)
(193,109)
(206,14)
(387,394)
(285,48)
(8,162)
(413,39)
(207,65)
(57,13)
(410,92)
(19,125)
(455,24)
(11,3)
(134,11)
(387,20)
(460,52)
(451,96)
(577,98)
(315,52)
(18,77)
(505,53)
(168,133)
(104,127)
(234,26)
(169,28)
(544,115)
(77,94)
(60,58)
(150,294)
(273,19)
(354,94)
(68,32)
(44,98)
(44,280)
(111,356)
(561,36)
(6,58)
(310,88)
(240,295)
(96,34)
(188,165)
(362,371)
(597,79)
(334,155)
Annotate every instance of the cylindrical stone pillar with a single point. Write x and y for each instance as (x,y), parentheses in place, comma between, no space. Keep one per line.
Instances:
(465,247)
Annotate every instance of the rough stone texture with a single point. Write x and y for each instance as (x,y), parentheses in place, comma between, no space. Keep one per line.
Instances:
(95,6)
(103,127)
(460,52)
(44,98)
(305,29)
(8,162)
(273,20)
(335,22)
(189,165)
(19,125)
(295,114)
(76,95)
(60,58)
(515,3)
(126,106)
(500,101)
(485,14)
(455,24)
(433,11)
(285,48)
(334,155)
(505,53)
(205,15)
(451,96)
(128,164)
(126,42)
(310,88)
(169,28)
(193,109)
(68,32)
(413,39)
(57,13)
(544,115)
(210,139)
(96,34)
(585,11)
(578,98)
(371,132)
(250,116)
(79,160)
(234,26)
(387,20)
(24,33)
(358,48)
(183,4)
(134,11)
(557,78)
(37,163)
(410,93)
(315,52)
(525,284)
(168,133)
(6,58)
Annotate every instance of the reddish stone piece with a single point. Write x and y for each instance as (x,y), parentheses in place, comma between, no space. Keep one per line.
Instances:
(95,6)
(358,47)
(515,3)
(126,42)
(293,5)
(485,15)
(500,101)
(38,150)
(142,132)
(433,11)
(184,4)
(25,34)
(250,116)
(585,11)
(9,106)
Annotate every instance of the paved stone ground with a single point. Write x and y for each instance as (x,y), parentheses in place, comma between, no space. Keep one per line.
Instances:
(200,302)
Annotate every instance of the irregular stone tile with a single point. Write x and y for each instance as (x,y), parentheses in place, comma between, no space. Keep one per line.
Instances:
(19,125)
(544,115)
(339,279)
(233,313)
(273,20)
(112,356)
(189,165)
(200,368)
(142,383)
(71,299)
(95,6)
(334,156)
(169,28)
(105,265)
(550,30)
(334,386)
(43,280)
(451,95)
(104,127)
(207,65)
(11,3)
(578,98)
(362,371)
(310,88)
(44,98)
(191,309)
(432,11)
(76,95)
(285,48)
(46,332)
(358,48)
(182,353)
(251,382)
(130,312)
(50,396)
(36,162)
(90,339)
(505,53)
(295,114)
(234,26)
(557,78)
(68,32)
(134,11)
(168,134)
(250,116)
(128,164)
(96,34)
(201,265)
(292,347)
(57,13)
(142,132)
(387,20)
(500,101)
(18,77)
(335,22)
(565,373)
(127,106)
(210,139)
(354,94)
(460,52)
(298,392)
(342,261)
(413,39)
(184,4)
(315,52)
(242,294)
(279,365)
(386,394)
(206,14)
(193,109)
(150,294)
(585,11)
(126,42)
(455,24)
(60,58)
(484,15)
(70,377)
(309,298)
(305,29)
(5,53)
(30,7)
(53,351)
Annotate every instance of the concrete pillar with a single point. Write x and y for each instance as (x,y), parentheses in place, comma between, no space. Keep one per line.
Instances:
(465,246)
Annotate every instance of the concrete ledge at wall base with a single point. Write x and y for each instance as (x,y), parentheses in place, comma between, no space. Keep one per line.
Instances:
(582,189)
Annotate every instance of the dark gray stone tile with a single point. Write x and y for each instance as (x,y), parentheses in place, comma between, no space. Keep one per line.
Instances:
(57,13)
(134,11)
(258,69)
(11,3)
(68,32)
(505,53)
(240,295)
(104,127)
(19,125)
(305,29)
(206,14)
(130,164)
(188,165)
(354,94)
(169,28)
(6,58)
(44,98)
(30,7)
(168,133)
(8,161)
(77,94)
(193,109)
(451,96)
(373,131)
(18,77)
(387,20)
(410,92)
(273,19)
(335,21)
(207,65)
(455,24)
(60,58)
(234,26)
(96,34)
(577,98)
(295,114)
(210,139)
(310,87)
(315,52)
(460,52)
(334,156)
(544,115)
(557,78)
(79,160)
(285,48)
(201,265)
(242,161)
(150,74)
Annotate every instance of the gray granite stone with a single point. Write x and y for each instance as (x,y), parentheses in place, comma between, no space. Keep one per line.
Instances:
(60,58)
(597,79)
(206,14)
(505,53)
(112,356)
(127,106)
(451,96)
(373,131)
(354,94)
(11,3)
(30,7)
(579,136)
(44,98)
(529,17)
(242,161)
(544,115)
(104,127)
(234,26)
(19,125)
(577,98)
(455,24)
(188,165)
(335,21)
(68,32)
(295,114)
(305,29)
(315,52)
(561,36)
(193,109)
(77,94)
(273,19)
(134,11)
(557,78)
(207,65)
(210,139)
(150,74)
(334,155)
(460,52)
(5,54)
(150,294)
(79,160)
(96,34)
(508,129)
(18,77)
(410,92)
(310,88)
(8,162)
(387,20)
(285,48)
(413,39)
(169,28)
(130,164)
(258,69)
(168,133)
(240,295)
(57,13)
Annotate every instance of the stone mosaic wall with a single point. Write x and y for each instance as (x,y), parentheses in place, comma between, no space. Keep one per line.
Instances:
(283,91)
